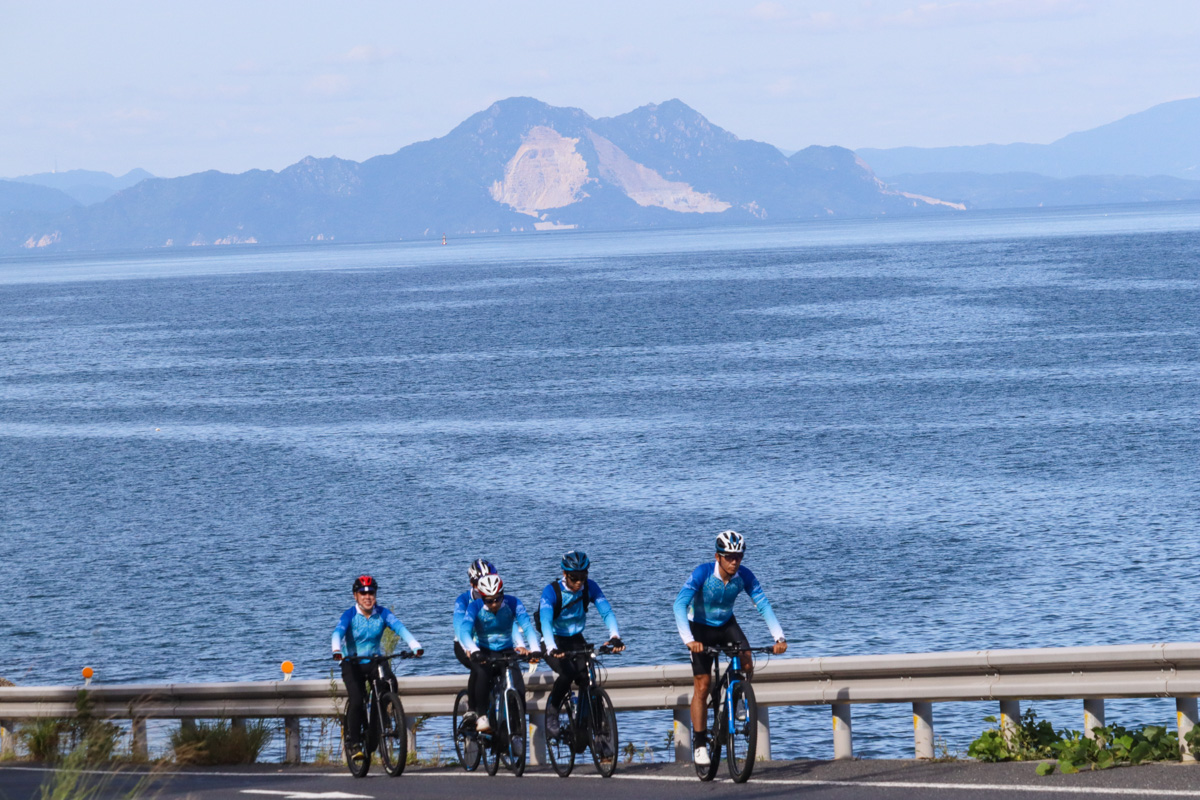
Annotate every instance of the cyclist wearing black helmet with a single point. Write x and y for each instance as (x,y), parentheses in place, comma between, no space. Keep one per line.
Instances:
(494,623)
(357,635)
(704,616)
(562,613)
(479,567)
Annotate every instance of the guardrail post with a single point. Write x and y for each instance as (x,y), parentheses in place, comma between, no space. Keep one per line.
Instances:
(764,734)
(139,746)
(683,734)
(1010,720)
(923,729)
(1185,716)
(8,737)
(1093,716)
(237,724)
(291,740)
(537,739)
(843,742)
(187,724)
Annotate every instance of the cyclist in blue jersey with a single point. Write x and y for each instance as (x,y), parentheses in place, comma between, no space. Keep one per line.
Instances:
(357,637)
(479,567)
(494,623)
(704,616)
(562,614)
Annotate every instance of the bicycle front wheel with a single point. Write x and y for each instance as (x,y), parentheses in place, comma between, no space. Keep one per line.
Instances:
(706,772)
(561,748)
(742,741)
(466,743)
(516,732)
(358,765)
(605,746)
(491,742)
(393,738)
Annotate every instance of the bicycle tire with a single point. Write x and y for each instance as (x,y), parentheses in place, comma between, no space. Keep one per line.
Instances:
(606,747)
(359,767)
(466,743)
(393,734)
(561,749)
(491,741)
(516,733)
(713,745)
(742,743)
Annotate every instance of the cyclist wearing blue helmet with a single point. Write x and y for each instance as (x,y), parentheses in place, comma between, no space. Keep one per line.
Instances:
(704,616)
(479,567)
(562,613)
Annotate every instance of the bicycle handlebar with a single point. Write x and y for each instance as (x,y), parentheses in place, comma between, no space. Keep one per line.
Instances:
(603,650)
(734,650)
(506,658)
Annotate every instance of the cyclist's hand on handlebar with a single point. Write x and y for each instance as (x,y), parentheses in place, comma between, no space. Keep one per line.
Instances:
(557,654)
(522,651)
(616,644)
(420,651)
(337,656)
(478,656)
(695,647)
(780,647)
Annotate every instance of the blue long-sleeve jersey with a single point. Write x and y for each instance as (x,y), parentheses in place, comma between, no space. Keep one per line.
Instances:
(572,615)
(460,608)
(509,626)
(358,634)
(708,600)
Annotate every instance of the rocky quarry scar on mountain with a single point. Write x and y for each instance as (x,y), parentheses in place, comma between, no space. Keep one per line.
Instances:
(519,165)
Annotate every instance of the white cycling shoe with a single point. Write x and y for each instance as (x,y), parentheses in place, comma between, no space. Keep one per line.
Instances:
(700,756)
(483,724)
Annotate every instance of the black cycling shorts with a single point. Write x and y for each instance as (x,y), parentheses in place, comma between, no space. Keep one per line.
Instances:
(726,635)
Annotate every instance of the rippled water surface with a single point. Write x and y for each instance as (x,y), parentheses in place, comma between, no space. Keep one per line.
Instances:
(935,434)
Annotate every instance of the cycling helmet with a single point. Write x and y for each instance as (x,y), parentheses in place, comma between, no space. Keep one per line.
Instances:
(490,586)
(575,561)
(480,567)
(365,583)
(731,542)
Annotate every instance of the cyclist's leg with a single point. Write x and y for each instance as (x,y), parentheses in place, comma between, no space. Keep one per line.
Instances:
(389,677)
(702,664)
(567,668)
(356,690)
(483,674)
(465,660)
(734,637)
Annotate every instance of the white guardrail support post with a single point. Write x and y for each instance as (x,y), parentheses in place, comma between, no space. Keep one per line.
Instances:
(1093,716)
(1010,719)
(1185,716)
(291,740)
(763,753)
(537,739)
(683,734)
(843,741)
(923,729)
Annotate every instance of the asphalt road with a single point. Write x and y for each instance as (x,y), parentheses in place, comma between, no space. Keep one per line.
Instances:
(820,780)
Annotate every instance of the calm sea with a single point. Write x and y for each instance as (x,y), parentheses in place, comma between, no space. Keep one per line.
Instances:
(936,434)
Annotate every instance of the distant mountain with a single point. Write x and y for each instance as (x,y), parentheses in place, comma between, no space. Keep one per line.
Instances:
(16,197)
(1163,140)
(86,186)
(1025,189)
(519,165)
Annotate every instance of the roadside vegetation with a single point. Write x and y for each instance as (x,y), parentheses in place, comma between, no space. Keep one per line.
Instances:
(1071,751)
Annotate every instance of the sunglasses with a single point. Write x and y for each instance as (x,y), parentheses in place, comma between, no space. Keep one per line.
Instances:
(489,601)
(731,556)
(577,576)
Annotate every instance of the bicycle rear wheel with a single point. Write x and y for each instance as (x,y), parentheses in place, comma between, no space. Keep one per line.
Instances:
(393,734)
(492,742)
(742,742)
(466,743)
(561,748)
(358,766)
(605,746)
(515,732)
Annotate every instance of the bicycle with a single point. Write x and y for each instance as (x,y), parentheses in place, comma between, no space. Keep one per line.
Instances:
(386,727)
(585,719)
(737,731)
(506,712)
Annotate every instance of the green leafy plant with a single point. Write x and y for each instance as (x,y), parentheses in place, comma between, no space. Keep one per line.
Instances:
(72,780)
(42,738)
(1032,739)
(220,742)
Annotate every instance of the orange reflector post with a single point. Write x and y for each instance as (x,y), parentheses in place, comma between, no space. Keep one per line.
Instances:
(287,668)
(88,672)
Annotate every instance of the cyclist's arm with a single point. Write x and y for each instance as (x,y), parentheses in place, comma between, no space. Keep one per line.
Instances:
(393,622)
(684,598)
(546,615)
(466,627)
(755,590)
(460,608)
(605,608)
(522,624)
(339,633)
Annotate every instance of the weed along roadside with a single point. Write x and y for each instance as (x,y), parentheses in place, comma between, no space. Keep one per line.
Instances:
(1071,751)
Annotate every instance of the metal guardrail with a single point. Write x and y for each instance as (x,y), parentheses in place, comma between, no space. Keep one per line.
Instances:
(1008,676)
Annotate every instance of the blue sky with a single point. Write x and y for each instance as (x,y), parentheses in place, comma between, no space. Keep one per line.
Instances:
(175,86)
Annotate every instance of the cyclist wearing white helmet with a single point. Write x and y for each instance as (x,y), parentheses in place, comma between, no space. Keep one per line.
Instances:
(494,623)
(479,567)
(704,617)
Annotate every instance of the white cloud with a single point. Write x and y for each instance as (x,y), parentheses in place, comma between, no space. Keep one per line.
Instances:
(329,85)
(365,54)
(769,12)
